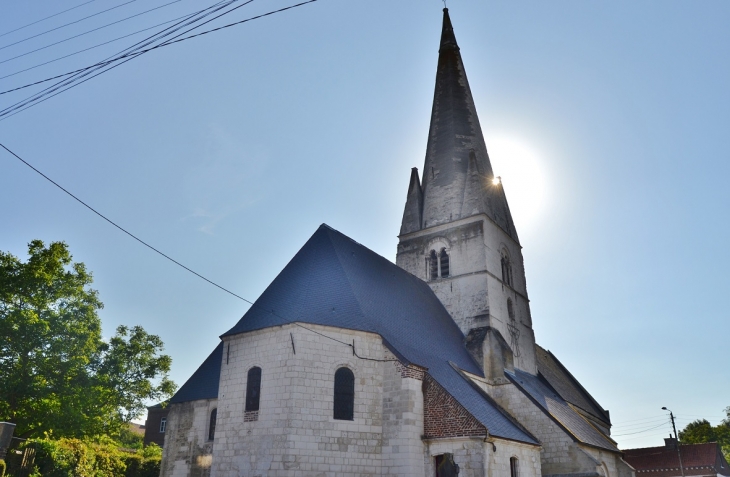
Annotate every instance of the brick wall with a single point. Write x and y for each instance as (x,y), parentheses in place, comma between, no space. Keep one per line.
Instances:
(444,416)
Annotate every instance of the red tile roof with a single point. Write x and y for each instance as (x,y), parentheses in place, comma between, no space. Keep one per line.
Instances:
(697,459)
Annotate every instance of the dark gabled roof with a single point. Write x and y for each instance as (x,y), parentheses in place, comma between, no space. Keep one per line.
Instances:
(566,385)
(560,411)
(697,459)
(335,281)
(203,384)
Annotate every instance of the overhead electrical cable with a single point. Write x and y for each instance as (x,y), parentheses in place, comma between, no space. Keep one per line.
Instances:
(89,31)
(642,431)
(46,18)
(119,227)
(43,96)
(141,44)
(76,53)
(67,24)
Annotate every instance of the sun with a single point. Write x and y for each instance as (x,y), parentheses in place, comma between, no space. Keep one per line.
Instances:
(519,169)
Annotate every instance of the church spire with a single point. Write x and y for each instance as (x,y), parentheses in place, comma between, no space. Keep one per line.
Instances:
(457,176)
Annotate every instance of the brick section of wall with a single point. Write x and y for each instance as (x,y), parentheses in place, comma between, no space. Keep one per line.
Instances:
(444,416)
(411,371)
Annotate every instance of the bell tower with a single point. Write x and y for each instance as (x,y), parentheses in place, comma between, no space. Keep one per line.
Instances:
(457,232)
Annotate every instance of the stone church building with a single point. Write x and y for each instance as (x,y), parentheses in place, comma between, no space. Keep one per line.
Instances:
(350,365)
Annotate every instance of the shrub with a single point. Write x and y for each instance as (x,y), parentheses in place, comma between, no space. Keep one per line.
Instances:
(151,467)
(134,464)
(2,468)
(75,458)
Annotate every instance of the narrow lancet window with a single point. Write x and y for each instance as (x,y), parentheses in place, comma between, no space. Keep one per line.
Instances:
(211,428)
(433,264)
(253,389)
(344,405)
(506,269)
(444,262)
(510,309)
(514,468)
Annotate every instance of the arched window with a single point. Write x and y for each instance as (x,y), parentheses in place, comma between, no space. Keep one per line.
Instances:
(211,428)
(253,389)
(510,309)
(506,269)
(433,264)
(344,407)
(444,262)
(445,466)
(514,467)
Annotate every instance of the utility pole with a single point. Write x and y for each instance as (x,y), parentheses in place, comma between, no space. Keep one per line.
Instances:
(676,441)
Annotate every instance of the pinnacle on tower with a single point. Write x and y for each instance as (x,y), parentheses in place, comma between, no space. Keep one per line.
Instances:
(457,176)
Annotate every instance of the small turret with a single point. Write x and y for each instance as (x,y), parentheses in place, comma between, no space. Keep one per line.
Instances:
(414,205)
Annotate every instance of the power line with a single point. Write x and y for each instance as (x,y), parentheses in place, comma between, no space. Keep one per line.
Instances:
(28,103)
(65,25)
(642,431)
(46,18)
(141,44)
(119,227)
(76,53)
(87,32)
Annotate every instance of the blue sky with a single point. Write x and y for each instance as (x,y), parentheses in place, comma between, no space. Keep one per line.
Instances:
(609,123)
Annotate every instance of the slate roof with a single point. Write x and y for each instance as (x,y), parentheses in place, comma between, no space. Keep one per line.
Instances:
(559,409)
(697,459)
(335,281)
(566,385)
(203,384)
(456,150)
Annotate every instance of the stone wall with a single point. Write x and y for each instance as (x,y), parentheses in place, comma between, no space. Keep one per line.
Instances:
(480,457)
(188,451)
(474,294)
(295,432)
(560,453)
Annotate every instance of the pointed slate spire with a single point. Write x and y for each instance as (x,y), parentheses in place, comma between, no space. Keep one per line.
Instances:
(414,205)
(451,188)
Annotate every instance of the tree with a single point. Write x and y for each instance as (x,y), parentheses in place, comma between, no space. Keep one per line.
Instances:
(701,431)
(58,375)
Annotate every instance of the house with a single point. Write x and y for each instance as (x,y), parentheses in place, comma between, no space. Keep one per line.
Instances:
(156,424)
(351,365)
(706,460)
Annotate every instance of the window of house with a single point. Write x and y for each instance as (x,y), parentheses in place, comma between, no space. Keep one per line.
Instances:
(510,309)
(514,467)
(163,424)
(253,389)
(444,263)
(506,269)
(445,466)
(344,405)
(433,265)
(211,428)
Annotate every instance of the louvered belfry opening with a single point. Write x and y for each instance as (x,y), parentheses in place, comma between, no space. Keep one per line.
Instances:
(344,405)
(253,389)
(433,264)
(444,261)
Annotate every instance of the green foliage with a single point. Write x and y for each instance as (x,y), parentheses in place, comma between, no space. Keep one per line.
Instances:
(58,375)
(152,451)
(129,439)
(2,468)
(91,458)
(701,431)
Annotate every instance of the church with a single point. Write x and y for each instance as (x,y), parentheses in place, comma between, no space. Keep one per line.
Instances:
(351,365)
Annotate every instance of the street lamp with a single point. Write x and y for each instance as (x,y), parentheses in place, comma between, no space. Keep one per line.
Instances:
(676,440)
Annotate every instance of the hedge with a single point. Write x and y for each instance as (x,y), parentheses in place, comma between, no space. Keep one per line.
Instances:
(76,458)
